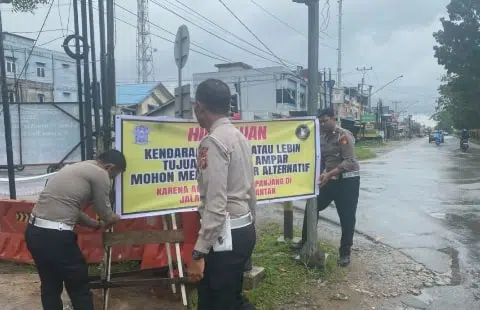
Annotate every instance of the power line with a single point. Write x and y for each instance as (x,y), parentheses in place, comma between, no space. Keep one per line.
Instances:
(214,24)
(252,33)
(278,19)
(220,57)
(291,27)
(34,44)
(69,13)
(217,57)
(326,20)
(59,14)
(36,31)
(212,33)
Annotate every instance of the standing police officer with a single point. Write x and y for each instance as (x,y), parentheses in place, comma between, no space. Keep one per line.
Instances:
(50,237)
(227,191)
(340,179)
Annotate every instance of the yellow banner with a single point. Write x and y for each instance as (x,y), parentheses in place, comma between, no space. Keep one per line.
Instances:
(161,162)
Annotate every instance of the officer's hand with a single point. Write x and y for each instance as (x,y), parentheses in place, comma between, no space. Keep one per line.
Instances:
(113,220)
(324,179)
(195,269)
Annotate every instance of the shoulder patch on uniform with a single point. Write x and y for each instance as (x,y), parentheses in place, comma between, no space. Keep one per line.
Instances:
(202,158)
(343,139)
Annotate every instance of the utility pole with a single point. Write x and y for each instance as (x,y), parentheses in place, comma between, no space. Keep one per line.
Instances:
(339,52)
(339,60)
(310,253)
(110,71)
(238,89)
(6,117)
(86,81)
(330,87)
(364,71)
(370,99)
(325,87)
(396,105)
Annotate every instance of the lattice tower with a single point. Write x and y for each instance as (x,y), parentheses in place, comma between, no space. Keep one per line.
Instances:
(145,69)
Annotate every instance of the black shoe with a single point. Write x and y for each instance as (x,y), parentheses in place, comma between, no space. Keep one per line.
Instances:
(297,245)
(344,261)
(246,305)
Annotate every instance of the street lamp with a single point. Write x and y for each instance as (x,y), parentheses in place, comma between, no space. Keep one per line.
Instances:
(391,82)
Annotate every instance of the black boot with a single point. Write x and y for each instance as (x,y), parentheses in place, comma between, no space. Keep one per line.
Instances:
(248,265)
(344,261)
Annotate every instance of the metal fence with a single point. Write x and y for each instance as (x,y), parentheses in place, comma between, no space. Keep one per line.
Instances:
(42,133)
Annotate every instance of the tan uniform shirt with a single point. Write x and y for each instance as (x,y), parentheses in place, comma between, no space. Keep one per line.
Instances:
(225,180)
(338,150)
(69,189)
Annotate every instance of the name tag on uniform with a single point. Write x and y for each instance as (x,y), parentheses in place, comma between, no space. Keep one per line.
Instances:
(224,241)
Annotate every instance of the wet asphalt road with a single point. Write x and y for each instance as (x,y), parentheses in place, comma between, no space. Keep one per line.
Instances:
(424,200)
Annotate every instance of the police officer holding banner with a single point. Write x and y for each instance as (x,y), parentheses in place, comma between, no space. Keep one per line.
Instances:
(339,179)
(228,200)
(50,237)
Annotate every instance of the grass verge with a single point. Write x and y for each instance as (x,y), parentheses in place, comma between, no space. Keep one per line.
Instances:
(366,149)
(285,279)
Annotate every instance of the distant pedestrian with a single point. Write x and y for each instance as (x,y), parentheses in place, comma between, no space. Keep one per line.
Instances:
(227,192)
(339,179)
(50,237)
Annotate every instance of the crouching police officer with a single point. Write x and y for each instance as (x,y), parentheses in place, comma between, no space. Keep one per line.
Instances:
(50,237)
(227,193)
(340,179)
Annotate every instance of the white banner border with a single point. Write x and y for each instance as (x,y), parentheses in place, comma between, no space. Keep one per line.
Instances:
(118,146)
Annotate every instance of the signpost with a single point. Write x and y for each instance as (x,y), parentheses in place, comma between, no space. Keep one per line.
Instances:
(180,52)
(369,118)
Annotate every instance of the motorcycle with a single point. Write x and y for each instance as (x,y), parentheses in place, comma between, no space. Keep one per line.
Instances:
(464,145)
(437,141)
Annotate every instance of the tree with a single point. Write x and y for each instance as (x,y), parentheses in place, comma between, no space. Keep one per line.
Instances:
(458,51)
(458,48)
(25,5)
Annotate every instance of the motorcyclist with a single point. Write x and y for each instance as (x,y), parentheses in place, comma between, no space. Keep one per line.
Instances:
(464,136)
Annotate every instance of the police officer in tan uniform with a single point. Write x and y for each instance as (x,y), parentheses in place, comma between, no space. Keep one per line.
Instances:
(340,179)
(50,237)
(227,193)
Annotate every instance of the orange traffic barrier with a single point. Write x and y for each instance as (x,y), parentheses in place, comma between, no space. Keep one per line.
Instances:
(155,255)
(14,215)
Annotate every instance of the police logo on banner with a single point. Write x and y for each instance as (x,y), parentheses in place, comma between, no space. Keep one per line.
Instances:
(141,134)
(302,132)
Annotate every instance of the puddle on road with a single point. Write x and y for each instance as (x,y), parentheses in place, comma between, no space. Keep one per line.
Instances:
(438,215)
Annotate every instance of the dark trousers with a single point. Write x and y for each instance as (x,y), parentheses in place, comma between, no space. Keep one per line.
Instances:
(222,285)
(59,261)
(344,192)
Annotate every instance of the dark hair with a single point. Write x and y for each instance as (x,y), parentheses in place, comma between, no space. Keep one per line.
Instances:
(215,95)
(114,157)
(326,112)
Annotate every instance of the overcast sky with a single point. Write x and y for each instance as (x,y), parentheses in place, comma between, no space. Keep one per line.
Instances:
(394,37)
